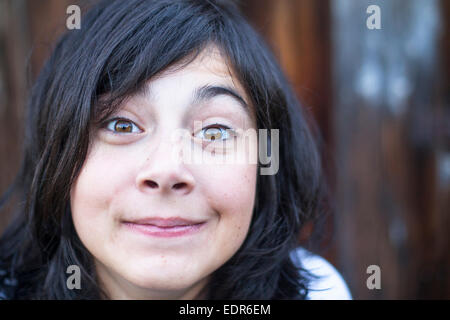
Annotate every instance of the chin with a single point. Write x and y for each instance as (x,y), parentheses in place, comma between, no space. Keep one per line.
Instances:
(160,279)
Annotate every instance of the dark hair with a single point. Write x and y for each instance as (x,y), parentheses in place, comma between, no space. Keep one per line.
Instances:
(120,46)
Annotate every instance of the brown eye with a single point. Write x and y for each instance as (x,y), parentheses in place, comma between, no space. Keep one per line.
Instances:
(213,134)
(216,132)
(122,126)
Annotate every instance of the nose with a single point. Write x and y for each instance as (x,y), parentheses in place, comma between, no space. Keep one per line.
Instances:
(162,173)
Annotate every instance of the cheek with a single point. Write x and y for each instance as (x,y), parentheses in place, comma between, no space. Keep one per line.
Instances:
(231,186)
(230,190)
(92,193)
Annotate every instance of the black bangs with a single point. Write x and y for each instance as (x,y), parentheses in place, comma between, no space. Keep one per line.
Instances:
(142,40)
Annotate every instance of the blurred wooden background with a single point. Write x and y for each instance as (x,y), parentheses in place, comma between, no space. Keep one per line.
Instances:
(381,99)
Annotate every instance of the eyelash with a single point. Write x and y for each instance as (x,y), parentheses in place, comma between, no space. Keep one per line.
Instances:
(107,124)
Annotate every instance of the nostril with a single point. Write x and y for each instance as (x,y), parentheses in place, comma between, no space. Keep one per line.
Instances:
(151,184)
(179,185)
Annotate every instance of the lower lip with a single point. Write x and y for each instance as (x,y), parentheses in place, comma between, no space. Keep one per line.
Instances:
(165,232)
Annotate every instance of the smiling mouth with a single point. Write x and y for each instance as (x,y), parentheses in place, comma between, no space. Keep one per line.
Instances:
(165,227)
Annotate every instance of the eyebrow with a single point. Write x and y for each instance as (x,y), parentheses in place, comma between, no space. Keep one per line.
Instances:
(208,92)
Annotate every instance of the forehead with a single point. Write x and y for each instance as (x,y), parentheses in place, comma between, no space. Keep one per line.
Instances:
(210,67)
(210,62)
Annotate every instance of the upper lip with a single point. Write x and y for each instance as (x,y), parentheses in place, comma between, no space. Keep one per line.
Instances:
(165,222)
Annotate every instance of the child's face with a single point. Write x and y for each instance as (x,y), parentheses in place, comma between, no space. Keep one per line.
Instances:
(130,175)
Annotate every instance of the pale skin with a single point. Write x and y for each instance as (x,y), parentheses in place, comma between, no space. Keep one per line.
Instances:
(131,174)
